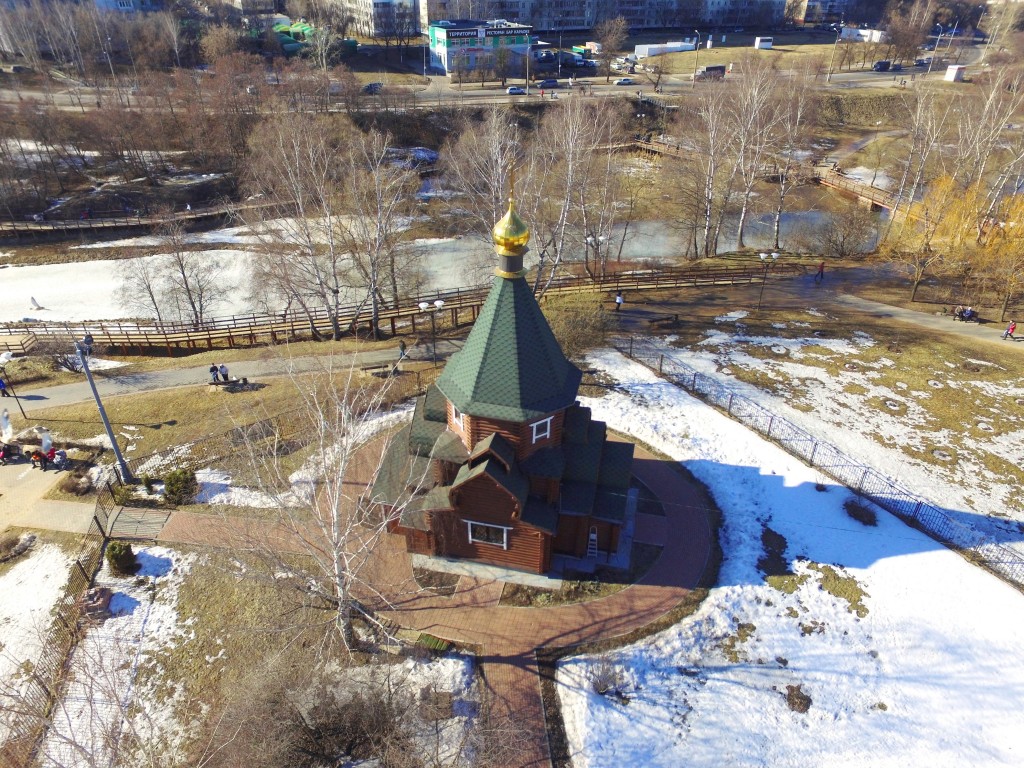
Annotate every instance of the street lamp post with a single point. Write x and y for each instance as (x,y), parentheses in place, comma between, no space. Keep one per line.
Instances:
(84,349)
(839,33)
(432,309)
(596,243)
(768,260)
(696,58)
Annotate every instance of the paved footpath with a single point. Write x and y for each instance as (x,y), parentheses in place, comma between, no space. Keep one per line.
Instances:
(110,383)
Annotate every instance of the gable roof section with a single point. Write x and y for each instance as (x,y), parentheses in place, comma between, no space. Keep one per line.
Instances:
(577,425)
(401,474)
(512,482)
(511,367)
(495,445)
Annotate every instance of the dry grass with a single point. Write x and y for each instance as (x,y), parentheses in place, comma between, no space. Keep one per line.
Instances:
(235,613)
(578,588)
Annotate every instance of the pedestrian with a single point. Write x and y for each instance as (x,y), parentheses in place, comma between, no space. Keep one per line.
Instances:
(5,453)
(223,372)
(60,459)
(213,373)
(44,460)
(35,457)
(188,207)
(1010,329)
(3,388)
(821,272)
(50,456)
(618,300)
(401,350)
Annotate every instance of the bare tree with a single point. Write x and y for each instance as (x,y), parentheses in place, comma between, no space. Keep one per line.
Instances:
(611,34)
(754,116)
(795,115)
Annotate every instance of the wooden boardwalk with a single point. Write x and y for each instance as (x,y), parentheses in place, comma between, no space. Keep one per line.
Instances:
(462,305)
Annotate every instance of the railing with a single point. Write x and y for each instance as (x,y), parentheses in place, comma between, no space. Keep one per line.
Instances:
(30,715)
(247,327)
(867,481)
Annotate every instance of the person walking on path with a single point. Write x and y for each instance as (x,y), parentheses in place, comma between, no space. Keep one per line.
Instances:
(820,276)
(223,372)
(213,373)
(618,300)
(3,388)
(1010,329)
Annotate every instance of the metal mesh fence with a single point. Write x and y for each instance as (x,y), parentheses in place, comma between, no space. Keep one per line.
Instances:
(830,460)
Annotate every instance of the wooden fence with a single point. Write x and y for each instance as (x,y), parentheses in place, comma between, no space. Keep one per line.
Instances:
(251,328)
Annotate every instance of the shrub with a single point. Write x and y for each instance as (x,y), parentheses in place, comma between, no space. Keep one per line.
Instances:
(860,512)
(149,481)
(78,485)
(123,494)
(7,544)
(121,558)
(180,487)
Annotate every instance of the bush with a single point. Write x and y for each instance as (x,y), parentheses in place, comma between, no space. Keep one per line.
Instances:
(180,487)
(76,484)
(123,494)
(7,544)
(121,558)
(860,512)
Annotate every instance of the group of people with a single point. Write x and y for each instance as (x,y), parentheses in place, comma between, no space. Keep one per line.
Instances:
(964,314)
(40,458)
(218,370)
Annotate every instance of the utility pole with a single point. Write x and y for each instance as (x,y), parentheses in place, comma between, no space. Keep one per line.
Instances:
(84,349)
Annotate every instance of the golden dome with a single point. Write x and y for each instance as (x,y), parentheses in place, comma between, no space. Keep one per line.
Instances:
(511,233)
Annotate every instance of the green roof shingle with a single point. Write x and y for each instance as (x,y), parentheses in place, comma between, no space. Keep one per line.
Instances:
(511,367)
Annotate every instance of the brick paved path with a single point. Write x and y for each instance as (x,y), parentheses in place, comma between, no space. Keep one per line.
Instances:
(509,636)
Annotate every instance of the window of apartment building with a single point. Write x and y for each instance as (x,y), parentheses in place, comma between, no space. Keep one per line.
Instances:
(542,429)
(482,533)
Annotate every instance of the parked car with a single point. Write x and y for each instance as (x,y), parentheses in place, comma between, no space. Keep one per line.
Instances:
(515,90)
(548,84)
(896,68)
(922,62)
(881,66)
(373,88)
(624,81)
(928,47)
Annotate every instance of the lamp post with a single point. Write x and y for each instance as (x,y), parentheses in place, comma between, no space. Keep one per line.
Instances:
(874,140)
(596,243)
(561,21)
(696,58)
(84,349)
(432,309)
(839,33)
(768,260)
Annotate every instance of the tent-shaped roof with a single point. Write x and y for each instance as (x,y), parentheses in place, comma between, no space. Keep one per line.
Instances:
(511,367)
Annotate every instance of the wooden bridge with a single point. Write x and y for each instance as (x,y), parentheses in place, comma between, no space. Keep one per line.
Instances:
(106,221)
(241,330)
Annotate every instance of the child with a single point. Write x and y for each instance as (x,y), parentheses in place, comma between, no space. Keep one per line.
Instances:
(1010,329)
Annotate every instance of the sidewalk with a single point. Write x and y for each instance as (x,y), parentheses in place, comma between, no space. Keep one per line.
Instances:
(22,505)
(113,384)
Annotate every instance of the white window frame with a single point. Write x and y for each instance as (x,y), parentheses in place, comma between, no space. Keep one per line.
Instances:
(457,416)
(503,528)
(542,429)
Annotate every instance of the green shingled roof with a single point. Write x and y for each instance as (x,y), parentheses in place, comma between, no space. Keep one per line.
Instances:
(511,367)
(496,445)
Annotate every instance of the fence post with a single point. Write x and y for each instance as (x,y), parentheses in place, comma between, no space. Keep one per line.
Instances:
(771,420)
(661,362)
(728,408)
(693,386)
(630,347)
(814,449)
(863,477)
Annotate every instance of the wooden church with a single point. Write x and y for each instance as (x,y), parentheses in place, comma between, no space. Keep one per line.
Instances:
(500,464)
